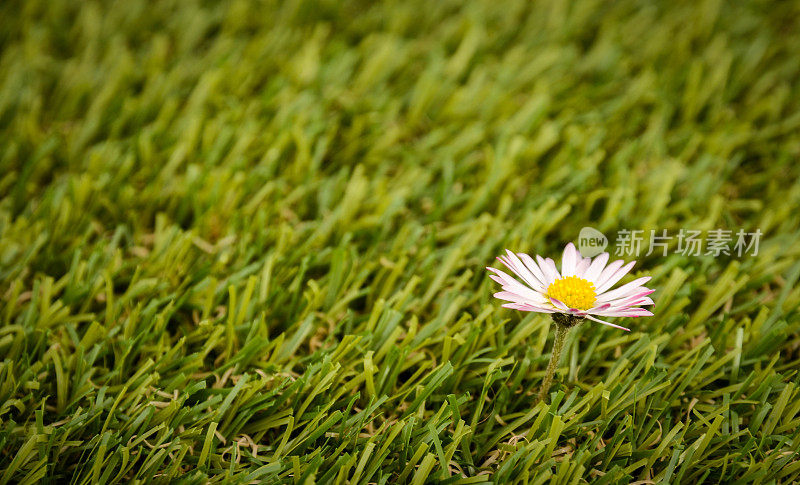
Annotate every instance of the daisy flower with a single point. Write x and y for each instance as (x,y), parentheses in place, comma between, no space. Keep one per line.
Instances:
(582,289)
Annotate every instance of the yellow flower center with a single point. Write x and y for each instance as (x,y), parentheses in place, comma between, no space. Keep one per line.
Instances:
(574,292)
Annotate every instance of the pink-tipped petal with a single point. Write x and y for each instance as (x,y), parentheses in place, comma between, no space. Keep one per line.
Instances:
(523,307)
(559,304)
(500,276)
(602,307)
(508,281)
(496,279)
(508,296)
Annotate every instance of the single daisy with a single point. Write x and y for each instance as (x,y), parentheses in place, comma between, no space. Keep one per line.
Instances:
(581,290)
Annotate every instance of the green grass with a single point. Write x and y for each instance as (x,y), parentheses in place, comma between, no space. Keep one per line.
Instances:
(245,241)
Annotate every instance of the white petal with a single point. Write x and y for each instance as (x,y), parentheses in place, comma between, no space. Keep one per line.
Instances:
(518,267)
(639,292)
(582,266)
(497,278)
(606,323)
(633,299)
(510,296)
(510,284)
(634,303)
(527,308)
(569,259)
(507,281)
(609,271)
(629,312)
(550,266)
(534,268)
(607,281)
(549,275)
(529,296)
(501,277)
(625,290)
(597,266)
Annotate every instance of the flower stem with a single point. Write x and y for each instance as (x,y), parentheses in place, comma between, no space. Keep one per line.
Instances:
(558,345)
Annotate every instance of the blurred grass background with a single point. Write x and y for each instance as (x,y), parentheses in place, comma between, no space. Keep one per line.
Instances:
(244,241)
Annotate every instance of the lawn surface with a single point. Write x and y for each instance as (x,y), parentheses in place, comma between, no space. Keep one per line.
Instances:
(245,241)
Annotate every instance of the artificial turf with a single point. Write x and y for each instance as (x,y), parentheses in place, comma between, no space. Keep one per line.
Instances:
(245,241)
